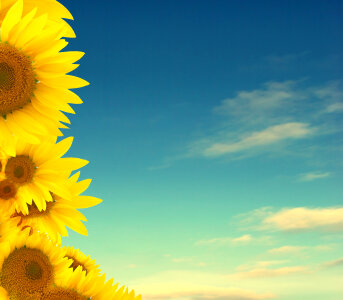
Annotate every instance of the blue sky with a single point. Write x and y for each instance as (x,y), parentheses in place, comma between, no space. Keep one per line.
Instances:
(213,131)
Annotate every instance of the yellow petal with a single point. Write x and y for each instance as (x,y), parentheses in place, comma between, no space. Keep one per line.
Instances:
(21,117)
(12,17)
(75,225)
(84,201)
(70,213)
(81,186)
(17,29)
(65,164)
(65,82)
(22,133)
(55,70)
(33,29)
(69,57)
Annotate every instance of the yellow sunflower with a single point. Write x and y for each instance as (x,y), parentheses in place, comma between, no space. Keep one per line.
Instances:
(56,12)
(112,292)
(35,171)
(3,294)
(80,259)
(29,265)
(34,87)
(90,286)
(8,227)
(60,212)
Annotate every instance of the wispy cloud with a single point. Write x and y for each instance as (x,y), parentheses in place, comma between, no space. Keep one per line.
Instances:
(269,119)
(275,118)
(286,249)
(302,218)
(241,240)
(260,264)
(266,272)
(265,137)
(285,59)
(292,219)
(334,263)
(313,176)
(335,107)
(260,103)
(190,261)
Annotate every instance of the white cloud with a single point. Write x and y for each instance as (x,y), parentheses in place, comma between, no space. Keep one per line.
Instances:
(268,136)
(313,176)
(260,264)
(265,272)
(335,107)
(242,239)
(246,238)
(297,249)
(287,250)
(302,218)
(259,102)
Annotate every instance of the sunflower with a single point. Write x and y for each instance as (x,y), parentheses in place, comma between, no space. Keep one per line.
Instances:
(112,292)
(80,259)
(8,227)
(73,285)
(34,87)
(29,265)
(35,171)
(60,212)
(89,286)
(56,11)
(3,294)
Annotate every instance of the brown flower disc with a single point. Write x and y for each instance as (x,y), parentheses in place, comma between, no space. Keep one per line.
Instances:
(26,272)
(17,79)
(20,169)
(59,293)
(7,189)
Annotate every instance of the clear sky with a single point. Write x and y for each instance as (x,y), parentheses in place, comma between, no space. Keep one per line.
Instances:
(214,135)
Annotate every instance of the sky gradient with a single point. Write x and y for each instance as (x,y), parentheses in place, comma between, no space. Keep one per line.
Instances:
(214,135)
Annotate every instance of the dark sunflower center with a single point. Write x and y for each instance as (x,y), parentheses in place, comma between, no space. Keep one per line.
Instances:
(6,76)
(33,270)
(26,270)
(20,169)
(59,293)
(7,189)
(17,79)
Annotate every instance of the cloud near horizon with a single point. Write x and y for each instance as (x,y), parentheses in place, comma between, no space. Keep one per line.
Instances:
(190,285)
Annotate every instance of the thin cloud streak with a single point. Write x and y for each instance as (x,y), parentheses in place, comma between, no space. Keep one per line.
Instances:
(334,263)
(313,176)
(264,272)
(246,238)
(268,136)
